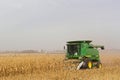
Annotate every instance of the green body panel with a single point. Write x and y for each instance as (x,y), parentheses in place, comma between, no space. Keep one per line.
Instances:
(81,49)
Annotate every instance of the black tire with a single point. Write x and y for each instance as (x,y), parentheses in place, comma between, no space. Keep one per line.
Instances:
(99,65)
(87,63)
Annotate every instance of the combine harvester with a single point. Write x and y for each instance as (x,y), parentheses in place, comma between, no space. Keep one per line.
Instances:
(84,54)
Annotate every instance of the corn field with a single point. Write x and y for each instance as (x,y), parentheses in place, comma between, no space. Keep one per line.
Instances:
(52,67)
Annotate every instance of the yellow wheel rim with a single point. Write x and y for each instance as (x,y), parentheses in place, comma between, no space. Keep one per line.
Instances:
(100,66)
(89,64)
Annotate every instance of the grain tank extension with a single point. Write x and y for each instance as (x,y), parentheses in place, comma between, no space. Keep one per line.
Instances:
(85,52)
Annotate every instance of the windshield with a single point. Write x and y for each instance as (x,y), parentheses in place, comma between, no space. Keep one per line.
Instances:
(72,49)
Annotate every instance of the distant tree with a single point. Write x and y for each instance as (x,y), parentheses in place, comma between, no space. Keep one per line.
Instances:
(29,51)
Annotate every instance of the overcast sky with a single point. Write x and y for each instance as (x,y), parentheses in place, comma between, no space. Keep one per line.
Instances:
(48,24)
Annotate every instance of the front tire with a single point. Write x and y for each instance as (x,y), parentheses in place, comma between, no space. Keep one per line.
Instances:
(88,63)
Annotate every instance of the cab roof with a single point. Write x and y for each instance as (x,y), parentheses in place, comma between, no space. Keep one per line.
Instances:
(80,41)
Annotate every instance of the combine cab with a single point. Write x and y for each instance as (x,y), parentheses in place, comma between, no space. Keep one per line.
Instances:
(86,53)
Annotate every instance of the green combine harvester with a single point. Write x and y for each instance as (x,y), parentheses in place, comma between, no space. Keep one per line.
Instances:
(86,53)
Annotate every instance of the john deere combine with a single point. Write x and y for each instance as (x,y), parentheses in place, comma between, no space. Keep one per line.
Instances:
(86,53)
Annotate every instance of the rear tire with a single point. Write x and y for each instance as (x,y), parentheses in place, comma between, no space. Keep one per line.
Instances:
(99,65)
